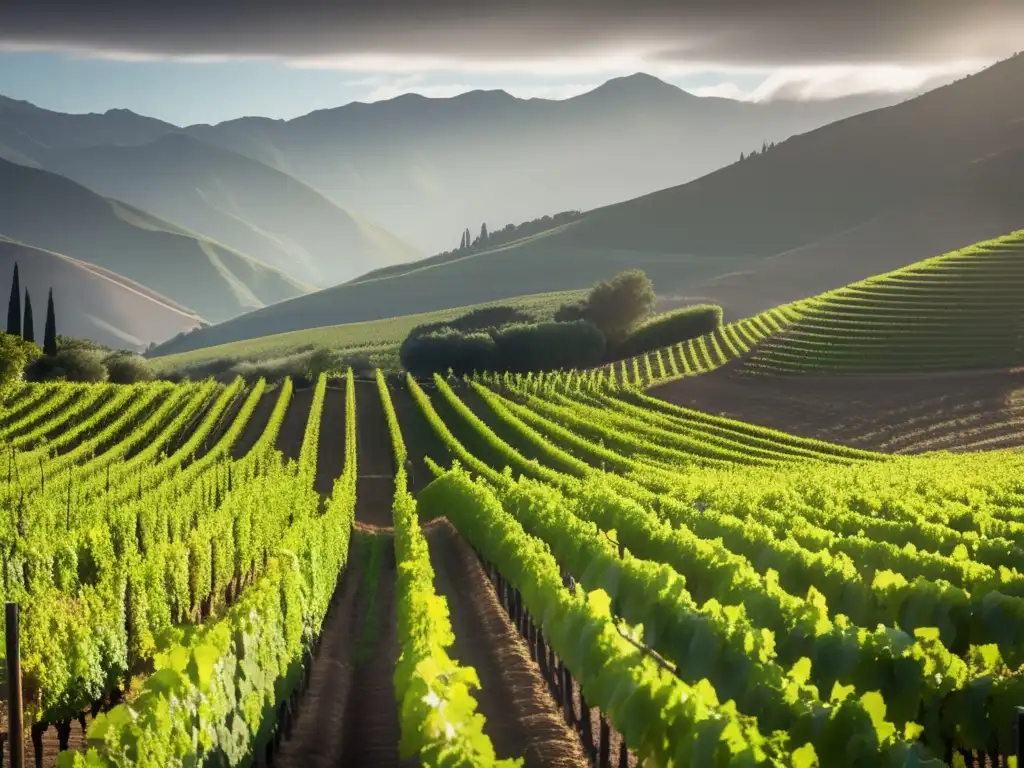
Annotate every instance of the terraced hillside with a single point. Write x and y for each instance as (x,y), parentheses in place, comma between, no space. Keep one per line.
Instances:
(956,311)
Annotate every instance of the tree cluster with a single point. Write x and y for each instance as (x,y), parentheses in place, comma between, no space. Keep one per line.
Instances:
(507,339)
(615,306)
(522,347)
(23,324)
(765,146)
(511,232)
(61,358)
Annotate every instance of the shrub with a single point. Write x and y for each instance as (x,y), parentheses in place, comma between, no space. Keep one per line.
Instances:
(127,368)
(548,346)
(69,342)
(15,355)
(361,363)
(670,328)
(68,365)
(569,313)
(618,305)
(489,317)
(477,320)
(520,348)
(448,348)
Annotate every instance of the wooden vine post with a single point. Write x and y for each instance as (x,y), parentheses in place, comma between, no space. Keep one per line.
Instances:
(1019,735)
(15,712)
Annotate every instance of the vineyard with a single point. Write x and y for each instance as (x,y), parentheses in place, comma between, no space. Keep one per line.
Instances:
(559,570)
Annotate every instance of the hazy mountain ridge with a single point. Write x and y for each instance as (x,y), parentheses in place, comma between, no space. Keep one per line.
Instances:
(237,201)
(51,212)
(426,168)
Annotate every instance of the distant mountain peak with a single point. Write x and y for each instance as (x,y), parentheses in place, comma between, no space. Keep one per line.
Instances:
(479,94)
(639,84)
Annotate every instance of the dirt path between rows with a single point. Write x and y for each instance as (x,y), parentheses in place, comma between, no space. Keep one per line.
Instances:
(331,448)
(317,733)
(257,423)
(293,428)
(420,438)
(522,719)
(371,730)
(375,487)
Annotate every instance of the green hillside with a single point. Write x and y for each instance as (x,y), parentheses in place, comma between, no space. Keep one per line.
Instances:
(51,212)
(956,311)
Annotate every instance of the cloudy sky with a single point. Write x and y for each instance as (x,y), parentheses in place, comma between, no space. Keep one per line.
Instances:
(193,61)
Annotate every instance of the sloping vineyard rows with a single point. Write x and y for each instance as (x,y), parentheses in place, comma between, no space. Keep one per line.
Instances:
(955,311)
(722,594)
(439,722)
(150,564)
(861,605)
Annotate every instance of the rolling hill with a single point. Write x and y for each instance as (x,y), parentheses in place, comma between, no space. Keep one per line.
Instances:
(91,302)
(237,201)
(861,196)
(53,213)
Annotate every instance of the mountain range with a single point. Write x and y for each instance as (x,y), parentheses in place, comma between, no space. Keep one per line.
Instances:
(225,220)
(859,196)
(427,168)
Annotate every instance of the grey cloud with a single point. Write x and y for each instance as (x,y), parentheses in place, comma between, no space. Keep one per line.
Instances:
(726,32)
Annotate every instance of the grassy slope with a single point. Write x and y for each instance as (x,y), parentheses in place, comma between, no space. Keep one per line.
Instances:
(381,337)
(237,201)
(214,281)
(91,302)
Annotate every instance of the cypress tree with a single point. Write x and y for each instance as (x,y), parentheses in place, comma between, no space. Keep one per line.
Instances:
(28,329)
(483,232)
(462,244)
(50,332)
(14,306)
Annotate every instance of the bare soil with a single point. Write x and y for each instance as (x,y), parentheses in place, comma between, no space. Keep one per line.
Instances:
(522,718)
(317,733)
(293,427)
(893,413)
(51,745)
(331,448)
(375,487)
(257,423)
(371,730)
(420,438)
